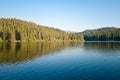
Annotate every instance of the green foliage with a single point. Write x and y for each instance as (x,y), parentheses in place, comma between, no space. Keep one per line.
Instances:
(18,30)
(103,34)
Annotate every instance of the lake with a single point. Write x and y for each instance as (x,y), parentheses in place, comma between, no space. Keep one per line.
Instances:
(60,61)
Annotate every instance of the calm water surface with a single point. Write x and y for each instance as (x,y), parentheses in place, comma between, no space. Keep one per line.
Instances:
(60,61)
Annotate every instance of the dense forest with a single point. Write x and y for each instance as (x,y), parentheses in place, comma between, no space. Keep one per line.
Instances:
(102,34)
(12,30)
(15,30)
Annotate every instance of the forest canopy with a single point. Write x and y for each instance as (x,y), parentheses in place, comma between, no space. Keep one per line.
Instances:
(15,30)
(12,30)
(102,34)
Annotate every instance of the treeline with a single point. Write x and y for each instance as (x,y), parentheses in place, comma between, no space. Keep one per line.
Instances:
(103,34)
(18,30)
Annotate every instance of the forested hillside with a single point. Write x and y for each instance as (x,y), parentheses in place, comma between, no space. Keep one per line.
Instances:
(102,34)
(18,30)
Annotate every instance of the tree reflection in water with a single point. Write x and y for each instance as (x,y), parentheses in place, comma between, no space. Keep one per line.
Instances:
(20,52)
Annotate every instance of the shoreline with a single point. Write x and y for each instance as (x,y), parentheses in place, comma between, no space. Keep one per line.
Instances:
(53,41)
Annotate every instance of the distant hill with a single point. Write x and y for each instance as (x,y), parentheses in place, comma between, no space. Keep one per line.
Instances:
(102,34)
(12,30)
(96,30)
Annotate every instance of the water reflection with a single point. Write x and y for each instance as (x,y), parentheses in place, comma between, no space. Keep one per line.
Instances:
(102,46)
(20,52)
(60,61)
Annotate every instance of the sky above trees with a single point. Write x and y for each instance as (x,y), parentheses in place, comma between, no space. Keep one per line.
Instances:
(68,15)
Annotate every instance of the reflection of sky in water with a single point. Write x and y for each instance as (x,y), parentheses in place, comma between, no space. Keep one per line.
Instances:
(88,62)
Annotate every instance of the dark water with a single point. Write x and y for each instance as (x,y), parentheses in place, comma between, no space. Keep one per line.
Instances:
(60,61)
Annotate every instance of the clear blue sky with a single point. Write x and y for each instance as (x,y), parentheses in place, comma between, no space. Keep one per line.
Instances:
(69,15)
